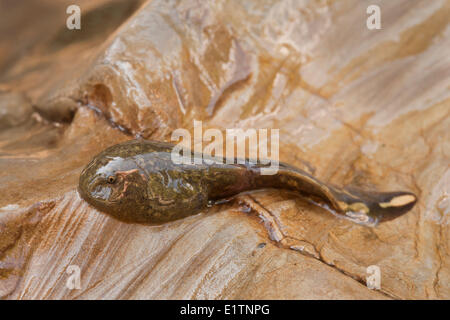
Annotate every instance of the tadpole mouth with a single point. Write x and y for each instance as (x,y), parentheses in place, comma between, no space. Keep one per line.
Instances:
(91,190)
(99,199)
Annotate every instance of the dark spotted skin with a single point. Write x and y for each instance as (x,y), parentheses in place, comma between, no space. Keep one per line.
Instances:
(137,181)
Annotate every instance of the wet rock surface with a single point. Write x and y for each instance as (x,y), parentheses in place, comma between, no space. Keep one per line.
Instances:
(355,106)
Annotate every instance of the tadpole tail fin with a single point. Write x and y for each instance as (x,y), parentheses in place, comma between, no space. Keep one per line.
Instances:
(390,205)
(363,207)
(376,206)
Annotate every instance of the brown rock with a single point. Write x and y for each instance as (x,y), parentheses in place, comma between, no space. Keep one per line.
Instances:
(359,106)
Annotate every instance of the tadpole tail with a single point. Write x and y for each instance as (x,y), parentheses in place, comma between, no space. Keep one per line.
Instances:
(378,206)
(364,207)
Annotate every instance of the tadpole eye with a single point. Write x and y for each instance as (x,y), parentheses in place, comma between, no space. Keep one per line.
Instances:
(111,179)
